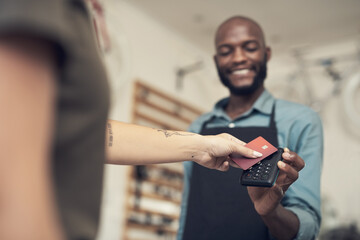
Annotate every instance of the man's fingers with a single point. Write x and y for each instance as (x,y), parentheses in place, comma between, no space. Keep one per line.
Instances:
(293,159)
(278,190)
(290,172)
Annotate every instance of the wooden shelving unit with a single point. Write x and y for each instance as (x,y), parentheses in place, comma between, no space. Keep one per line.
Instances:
(154,192)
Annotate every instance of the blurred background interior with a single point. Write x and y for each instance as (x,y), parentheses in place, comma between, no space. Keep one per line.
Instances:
(162,74)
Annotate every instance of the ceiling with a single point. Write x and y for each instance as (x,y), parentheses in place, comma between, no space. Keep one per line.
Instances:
(287,24)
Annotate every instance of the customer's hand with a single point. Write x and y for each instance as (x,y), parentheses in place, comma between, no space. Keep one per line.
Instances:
(220,148)
(267,199)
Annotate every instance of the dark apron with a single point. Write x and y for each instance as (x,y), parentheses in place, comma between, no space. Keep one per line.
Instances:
(219,207)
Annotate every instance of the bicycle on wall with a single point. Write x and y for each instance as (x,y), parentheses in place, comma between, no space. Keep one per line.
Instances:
(341,80)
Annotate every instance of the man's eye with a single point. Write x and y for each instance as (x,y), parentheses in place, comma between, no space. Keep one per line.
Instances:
(251,47)
(224,51)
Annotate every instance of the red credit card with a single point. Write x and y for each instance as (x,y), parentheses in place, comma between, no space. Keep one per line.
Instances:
(258,144)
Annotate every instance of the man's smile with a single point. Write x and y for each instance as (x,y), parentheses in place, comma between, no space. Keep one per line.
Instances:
(242,73)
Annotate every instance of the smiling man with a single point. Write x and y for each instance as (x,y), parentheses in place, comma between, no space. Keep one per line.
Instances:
(215,205)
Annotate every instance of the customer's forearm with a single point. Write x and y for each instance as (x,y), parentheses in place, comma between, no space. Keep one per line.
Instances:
(282,223)
(133,144)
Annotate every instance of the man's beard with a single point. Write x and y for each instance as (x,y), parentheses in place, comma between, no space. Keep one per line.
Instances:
(245,90)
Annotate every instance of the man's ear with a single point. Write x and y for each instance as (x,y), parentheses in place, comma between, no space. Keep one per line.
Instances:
(268,53)
(215,60)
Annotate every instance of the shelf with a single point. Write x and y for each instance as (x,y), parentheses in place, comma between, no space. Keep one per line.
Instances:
(155,196)
(178,187)
(168,98)
(151,228)
(145,211)
(163,110)
(164,183)
(160,110)
(166,169)
(138,115)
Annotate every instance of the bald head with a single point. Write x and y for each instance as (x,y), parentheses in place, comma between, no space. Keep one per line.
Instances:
(241,56)
(228,25)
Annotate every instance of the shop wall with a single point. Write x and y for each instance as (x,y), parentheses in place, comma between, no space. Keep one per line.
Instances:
(148,50)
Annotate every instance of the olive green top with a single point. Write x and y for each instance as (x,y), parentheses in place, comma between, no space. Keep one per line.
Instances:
(82,104)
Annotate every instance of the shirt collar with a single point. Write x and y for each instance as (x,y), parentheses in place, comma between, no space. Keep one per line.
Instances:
(263,104)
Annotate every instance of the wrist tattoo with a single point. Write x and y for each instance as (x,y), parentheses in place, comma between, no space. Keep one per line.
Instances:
(168,133)
(111,138)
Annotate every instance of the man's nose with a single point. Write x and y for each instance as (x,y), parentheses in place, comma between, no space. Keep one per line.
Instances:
(239,56)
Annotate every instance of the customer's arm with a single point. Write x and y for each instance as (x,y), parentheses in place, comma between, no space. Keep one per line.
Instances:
(27,93)
(132,144)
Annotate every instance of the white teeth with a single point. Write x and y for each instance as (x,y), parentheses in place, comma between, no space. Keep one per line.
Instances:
(241,72)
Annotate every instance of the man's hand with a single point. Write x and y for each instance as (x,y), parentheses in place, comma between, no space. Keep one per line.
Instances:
(220,148)
(266,200)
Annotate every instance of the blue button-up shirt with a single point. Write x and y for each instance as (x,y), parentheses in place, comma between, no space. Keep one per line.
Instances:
(300,129)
